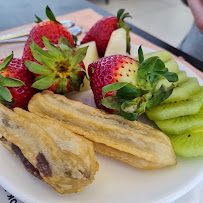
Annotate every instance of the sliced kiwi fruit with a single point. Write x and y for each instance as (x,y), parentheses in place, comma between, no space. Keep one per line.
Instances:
(175,109)
(182,77)
(184,90)
(172,66)
(181,124)
(163,55)
(188,144)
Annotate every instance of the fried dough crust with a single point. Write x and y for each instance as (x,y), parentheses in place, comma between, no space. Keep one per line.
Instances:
(118,134)
(63,167)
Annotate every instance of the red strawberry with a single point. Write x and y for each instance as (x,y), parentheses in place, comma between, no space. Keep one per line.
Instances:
(101,31)
(108,70)
(58,68)
(51,29)
(15,82)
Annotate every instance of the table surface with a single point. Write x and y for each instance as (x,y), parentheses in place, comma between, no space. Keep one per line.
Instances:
(12,12)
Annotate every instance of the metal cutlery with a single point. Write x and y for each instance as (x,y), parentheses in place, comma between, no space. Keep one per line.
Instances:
(25,32)
(73,30)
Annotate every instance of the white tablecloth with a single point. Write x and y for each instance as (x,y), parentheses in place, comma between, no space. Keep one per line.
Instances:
(194,196)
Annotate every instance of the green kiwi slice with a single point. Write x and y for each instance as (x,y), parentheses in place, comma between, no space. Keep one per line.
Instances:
(182,77)
(184,90)
(163,55)
(188,144)
(172,66)
(181,124)
(175,109)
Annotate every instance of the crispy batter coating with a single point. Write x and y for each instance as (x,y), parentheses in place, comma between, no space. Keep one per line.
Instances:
(112,134)
(65,161)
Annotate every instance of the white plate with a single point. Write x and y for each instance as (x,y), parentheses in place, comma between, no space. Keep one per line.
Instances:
(114,182)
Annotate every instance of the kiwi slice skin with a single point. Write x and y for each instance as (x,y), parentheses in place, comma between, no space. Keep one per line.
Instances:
(182,77)
(176,109)
(181,124)
(184,90)
(188,144)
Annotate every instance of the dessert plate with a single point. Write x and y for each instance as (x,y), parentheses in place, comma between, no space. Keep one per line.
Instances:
(114,182)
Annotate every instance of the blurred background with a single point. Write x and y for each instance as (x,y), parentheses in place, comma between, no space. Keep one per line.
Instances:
(168,20)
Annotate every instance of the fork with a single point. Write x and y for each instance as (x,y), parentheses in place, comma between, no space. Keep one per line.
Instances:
(20,36)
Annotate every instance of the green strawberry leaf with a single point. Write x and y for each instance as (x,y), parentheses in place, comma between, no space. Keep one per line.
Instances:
(42,56)
(162,94)
(37,68)
(39,77)
(78,56)
(10,82)
(40,50)
(126,15)
(120,13)
(128,92)
(44,82)
(56,52)
(144,69)
(65,47)
(75,81)
(50,15)
(112,102)
(39,20)
(140,55)
(159,66)
(6,61)
(5,94)
(113,87)
(62,86)
(75,39)
(170,76)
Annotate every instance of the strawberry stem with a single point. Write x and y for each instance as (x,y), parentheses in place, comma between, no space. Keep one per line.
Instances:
(121,16)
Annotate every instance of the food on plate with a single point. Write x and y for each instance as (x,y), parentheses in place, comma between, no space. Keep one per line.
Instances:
(48,150)
(175,109)
(117,43)
(182,124)
(15,83)
(91,56)
(184,90)
(102,30)
(51,29)
(59,69)
(108,70)
(172,66)
(180,116)
(164,55)
(146,147)
(182,77)
(188,144)
(123,85)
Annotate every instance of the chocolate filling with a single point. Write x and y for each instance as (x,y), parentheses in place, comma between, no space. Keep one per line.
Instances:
(28,166)
(43,165)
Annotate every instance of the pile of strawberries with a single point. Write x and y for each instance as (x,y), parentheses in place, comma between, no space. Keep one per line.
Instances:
(50,61)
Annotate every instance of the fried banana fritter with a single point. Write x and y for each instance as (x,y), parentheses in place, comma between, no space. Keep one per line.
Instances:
(48,150)
(146,147)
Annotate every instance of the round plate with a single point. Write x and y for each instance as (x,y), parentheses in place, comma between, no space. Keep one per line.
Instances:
(114,182)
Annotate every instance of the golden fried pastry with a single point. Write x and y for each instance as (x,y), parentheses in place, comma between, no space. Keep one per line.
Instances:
(48,150)
(133,142)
